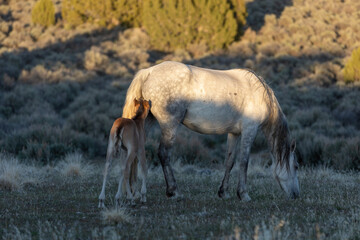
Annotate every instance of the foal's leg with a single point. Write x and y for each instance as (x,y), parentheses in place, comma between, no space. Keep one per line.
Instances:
(247,138)
(229,164)
(129,160)
(124,155)
(109,157)
(143,169)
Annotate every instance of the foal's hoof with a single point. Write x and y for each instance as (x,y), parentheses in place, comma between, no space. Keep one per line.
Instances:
(101,204)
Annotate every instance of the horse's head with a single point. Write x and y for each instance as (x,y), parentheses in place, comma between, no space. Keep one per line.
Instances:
(286,171)
(142,107)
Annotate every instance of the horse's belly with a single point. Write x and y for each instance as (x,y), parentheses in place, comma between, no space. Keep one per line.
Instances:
(212,120)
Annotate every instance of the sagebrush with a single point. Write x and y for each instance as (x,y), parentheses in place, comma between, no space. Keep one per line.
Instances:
(43,13)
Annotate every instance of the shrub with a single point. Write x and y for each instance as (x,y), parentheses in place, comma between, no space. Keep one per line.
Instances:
(74,166)
(239,7)
(183,23)
(352,67)
(129,12)
(43,13)
(105,13)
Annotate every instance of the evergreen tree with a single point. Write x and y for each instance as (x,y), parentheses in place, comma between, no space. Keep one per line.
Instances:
(175,24)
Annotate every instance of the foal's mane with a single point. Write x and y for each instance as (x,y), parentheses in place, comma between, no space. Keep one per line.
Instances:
(275,127)
(140,110)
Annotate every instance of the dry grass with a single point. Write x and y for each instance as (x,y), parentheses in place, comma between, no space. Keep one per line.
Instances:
(115,216)
(15,175)
(327,209)
(74,166)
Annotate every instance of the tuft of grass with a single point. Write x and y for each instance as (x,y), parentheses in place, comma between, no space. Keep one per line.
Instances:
(73,166)
(115,216)
(15,175)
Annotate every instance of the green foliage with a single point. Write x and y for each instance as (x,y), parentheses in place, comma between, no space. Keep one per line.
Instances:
(104,13)
(43,13)
(352,67)
(184,23)
(128,12)
(239,8)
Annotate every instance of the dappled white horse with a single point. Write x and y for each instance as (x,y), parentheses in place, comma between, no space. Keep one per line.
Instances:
(236,102)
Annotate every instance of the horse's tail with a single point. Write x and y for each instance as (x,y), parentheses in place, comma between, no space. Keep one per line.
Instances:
(118,139)
(135,91)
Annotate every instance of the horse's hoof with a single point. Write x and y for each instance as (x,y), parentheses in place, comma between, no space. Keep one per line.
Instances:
(223,194)
(171,192)
(175,195)
(244,197)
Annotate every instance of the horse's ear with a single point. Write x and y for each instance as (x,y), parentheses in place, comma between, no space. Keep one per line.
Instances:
(293,145)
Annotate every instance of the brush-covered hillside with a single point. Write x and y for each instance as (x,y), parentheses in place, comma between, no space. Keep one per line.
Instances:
(62,86)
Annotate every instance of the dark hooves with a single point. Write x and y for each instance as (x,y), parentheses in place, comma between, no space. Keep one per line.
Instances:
(221,192)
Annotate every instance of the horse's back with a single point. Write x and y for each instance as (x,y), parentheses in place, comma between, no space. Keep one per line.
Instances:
(208,101)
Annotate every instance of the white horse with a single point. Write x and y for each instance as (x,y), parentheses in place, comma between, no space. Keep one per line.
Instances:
(236,102)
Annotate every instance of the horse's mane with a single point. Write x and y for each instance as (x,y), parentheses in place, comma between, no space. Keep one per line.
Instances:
(275,127)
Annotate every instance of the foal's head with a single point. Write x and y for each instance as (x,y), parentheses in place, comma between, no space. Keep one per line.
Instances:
(142,108)
(286,170)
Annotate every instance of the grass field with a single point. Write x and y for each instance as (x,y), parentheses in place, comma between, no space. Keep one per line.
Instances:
(61,89)
(47,203)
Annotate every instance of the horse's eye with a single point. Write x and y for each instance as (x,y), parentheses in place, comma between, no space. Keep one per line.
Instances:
(296,167)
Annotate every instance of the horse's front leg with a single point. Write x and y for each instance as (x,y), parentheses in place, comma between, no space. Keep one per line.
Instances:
(247,138)
(229,164)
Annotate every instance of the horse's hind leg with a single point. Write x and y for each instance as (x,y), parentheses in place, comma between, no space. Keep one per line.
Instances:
(166,143)
(229,164)
(247,138)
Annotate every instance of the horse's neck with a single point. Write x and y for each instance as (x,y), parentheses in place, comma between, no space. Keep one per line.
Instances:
(277,133)
(275,128)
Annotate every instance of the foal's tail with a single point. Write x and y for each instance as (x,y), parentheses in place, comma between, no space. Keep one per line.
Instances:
(135,91)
